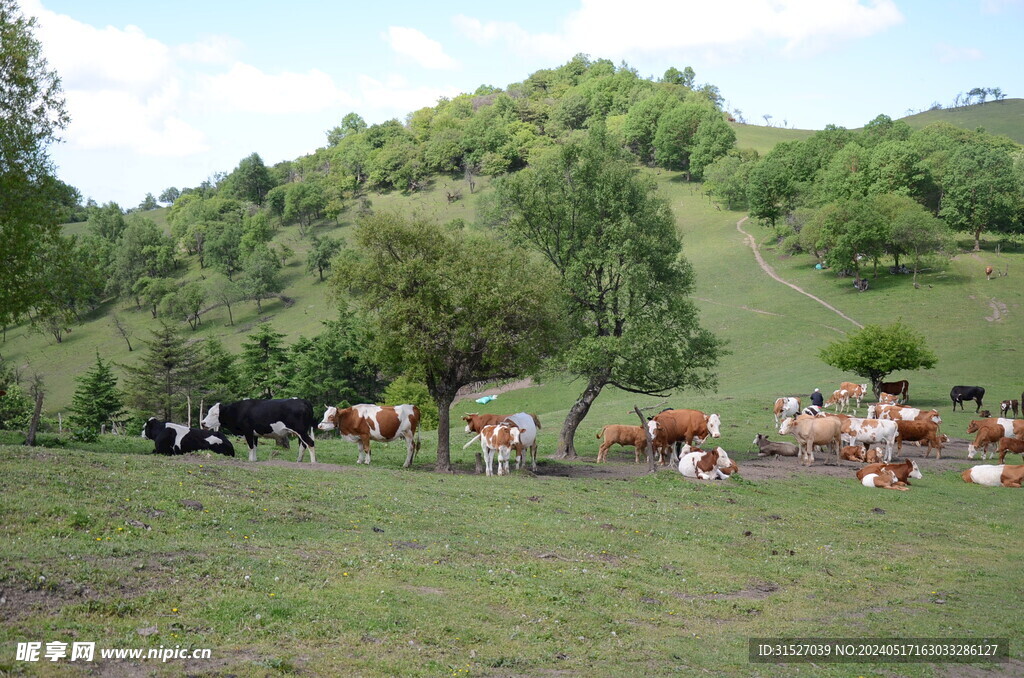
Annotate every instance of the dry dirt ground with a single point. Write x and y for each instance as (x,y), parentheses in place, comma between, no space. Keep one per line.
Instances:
(622,466)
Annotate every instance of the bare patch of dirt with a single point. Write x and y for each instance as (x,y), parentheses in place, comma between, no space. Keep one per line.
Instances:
(478,392)
(999,311)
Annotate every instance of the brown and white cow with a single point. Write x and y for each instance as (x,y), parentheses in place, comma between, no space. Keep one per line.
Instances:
(899,412)
(630,436)
(896,388)
(990,431)
(1007,406)
(854,391)
(883,479)
(904,471)
(675,426)
(995,475)
(919,431)
(363,423)
(706,465)
(853,453)
(785,407)
(840,398)
(501,438)
(888,399)
(811,431)
(527,423)
(867,431)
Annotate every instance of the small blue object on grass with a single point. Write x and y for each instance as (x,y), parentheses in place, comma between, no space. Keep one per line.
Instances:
(486,399)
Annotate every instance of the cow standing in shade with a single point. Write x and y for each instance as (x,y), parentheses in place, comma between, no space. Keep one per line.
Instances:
(527,423)
(171,438)
(255,418)
(363,423)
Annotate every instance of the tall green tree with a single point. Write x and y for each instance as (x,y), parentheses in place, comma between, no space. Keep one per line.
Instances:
(142,250)
(878,350)
(97,400)
(332,368)
(320,255)
(263,362)
(31,116)
(260,279)
(980,193)
(250,180)
(165,376)
(771,191)
(452,307)
(614,246)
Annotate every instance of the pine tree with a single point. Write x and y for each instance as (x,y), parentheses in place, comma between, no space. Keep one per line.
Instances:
(166,374)
(97,400)
(263,363)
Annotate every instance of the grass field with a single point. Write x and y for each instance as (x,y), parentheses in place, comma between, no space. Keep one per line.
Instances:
(996,117)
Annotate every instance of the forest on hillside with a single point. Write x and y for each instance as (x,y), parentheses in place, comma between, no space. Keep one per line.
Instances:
(850,198)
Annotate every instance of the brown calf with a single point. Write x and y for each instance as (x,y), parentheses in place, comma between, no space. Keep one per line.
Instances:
(630,436)
(904,471)
(1009,445)
(924,431)
(1006,406)
(852,453)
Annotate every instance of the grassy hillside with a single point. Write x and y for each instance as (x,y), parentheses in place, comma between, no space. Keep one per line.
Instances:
(996,117)
(763,139)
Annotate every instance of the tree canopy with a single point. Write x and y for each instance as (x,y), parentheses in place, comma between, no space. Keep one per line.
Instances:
(450,307)
(613,244)
(878,350)
(33,114)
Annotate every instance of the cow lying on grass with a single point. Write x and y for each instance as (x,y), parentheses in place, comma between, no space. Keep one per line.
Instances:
(706,465)
(766,447)
(995,475)
(904,471)
(884,479)
(171,438)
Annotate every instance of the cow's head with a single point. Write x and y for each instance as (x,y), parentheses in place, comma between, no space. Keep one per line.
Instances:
(974,426)
(212,419)
(935,417)
(470,420)
(874,456)
(871,412)
(914,471)
(714,423)
(653,427)
(787,426)
(148,430)
(330,418)
(723,458)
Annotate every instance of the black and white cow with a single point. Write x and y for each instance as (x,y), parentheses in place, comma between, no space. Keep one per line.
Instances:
(177,439)
(254,418)
(961,393)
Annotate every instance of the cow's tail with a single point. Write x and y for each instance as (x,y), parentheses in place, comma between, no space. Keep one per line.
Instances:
(471,441)
(536,421)
(600,434)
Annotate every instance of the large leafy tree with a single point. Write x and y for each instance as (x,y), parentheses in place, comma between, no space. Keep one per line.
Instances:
(31,116)
(260,279)
(878,350)
(263,362)
(980,192)
(614,246)
(331,368)
(250,180)
(452,308)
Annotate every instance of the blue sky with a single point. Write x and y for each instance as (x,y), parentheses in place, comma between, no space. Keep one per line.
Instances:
(167,94)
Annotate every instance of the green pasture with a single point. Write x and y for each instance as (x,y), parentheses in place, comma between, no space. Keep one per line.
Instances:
(380,571)
(996,117)
(763,139)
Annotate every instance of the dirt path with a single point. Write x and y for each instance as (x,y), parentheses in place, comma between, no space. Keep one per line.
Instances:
(771,272)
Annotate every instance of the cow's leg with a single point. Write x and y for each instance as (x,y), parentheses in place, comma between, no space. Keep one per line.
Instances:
(1010,483)
(307,439)
(978,408)
(488,459)
(533,456)
(250,440)
(410,450)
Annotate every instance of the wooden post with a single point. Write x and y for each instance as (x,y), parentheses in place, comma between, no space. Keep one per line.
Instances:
(60,423)
(188,404)
(650,443)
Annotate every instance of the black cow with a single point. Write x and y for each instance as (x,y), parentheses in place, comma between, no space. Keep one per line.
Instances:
(254,418)
(961,393)
(177,439)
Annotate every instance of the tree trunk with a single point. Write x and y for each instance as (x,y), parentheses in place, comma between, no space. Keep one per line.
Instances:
(977,240)
(566,449)
(33,426)
(444,415)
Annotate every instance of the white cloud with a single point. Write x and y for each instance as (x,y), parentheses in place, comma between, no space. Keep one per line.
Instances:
(397,97)
(601,28)
(416,46)
(949,54)
(247,89)
(212,49)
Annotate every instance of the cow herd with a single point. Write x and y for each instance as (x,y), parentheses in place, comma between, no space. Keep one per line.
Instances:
(675,434)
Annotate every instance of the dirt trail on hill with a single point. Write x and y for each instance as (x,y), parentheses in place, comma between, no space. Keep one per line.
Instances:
(771,272)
